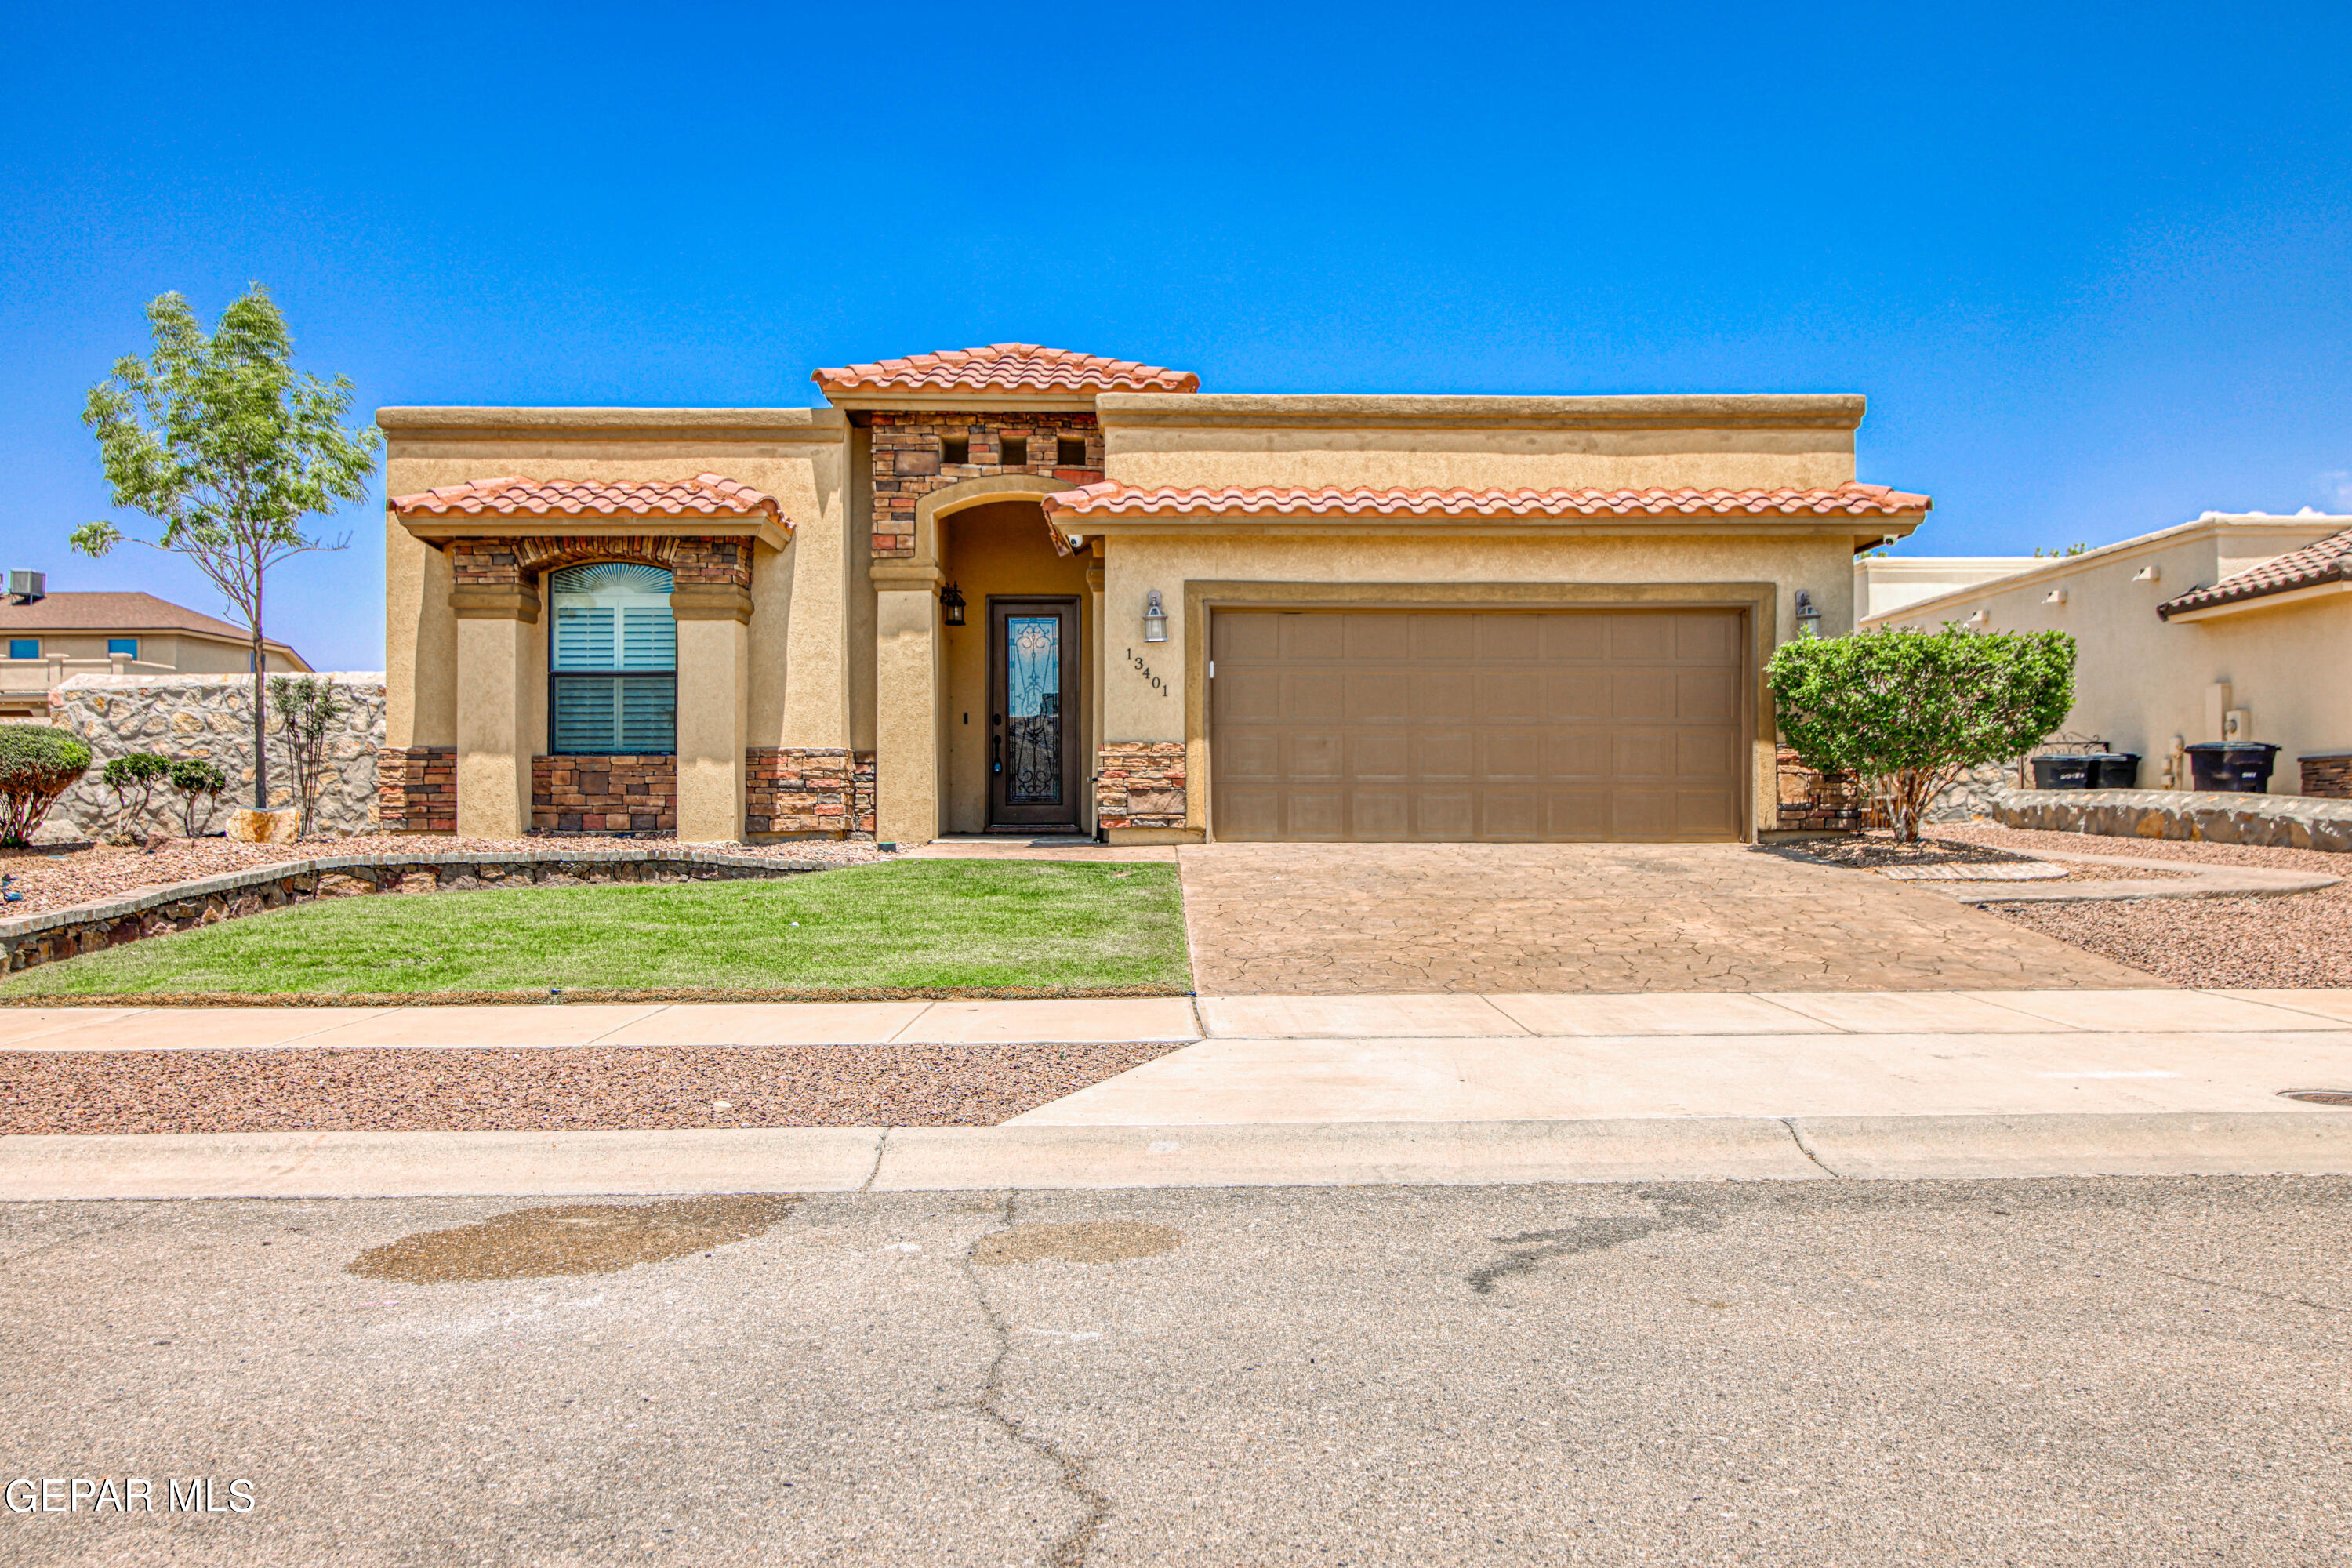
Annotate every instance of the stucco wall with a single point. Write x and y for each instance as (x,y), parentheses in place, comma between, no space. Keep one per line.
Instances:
(2140,680)
(192,716)
(1475,442)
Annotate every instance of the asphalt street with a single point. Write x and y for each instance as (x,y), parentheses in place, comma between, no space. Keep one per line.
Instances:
(2117,1371)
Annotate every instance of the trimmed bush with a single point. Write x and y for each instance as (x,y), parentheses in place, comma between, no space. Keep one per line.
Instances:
(197,780)
(1910,710)
(38,763)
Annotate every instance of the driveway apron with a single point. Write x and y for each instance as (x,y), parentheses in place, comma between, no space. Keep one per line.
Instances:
(1317,918)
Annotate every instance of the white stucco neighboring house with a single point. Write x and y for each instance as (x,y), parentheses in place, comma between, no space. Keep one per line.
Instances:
(1885,584)
(2237,626)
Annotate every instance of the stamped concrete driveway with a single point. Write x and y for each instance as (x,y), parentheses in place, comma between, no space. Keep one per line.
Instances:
(1302,918)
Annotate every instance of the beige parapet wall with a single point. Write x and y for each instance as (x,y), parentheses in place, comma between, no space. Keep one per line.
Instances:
(210,717)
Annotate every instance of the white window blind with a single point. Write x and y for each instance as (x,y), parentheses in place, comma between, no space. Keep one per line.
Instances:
(614,659)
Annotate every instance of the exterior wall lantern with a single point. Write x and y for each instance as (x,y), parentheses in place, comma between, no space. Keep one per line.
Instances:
(1155,619)
(951,604)
(1809,615)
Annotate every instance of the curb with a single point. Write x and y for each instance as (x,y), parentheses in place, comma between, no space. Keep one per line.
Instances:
(51,1168)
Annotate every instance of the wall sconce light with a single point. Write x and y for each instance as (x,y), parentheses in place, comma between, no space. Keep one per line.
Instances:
(1155,619)
(951,604)
(1809,615)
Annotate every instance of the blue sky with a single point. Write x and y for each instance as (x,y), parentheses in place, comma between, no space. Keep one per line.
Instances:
(2092,265)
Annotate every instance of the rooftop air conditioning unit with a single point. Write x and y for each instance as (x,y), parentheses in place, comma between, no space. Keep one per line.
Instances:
(25,587)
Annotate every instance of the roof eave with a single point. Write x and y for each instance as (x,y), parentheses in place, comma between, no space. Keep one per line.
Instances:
(436,529)
(1862,532)
(2271,599)
(976,399)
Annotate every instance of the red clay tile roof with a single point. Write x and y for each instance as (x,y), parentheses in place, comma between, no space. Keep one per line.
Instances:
(1112,499)
(704,495)
(124,613)
(2328,561)
(1006,367)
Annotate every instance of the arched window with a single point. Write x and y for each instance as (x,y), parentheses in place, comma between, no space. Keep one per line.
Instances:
(612,660)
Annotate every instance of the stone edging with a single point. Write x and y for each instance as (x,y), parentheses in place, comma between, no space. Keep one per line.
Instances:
(2287,822)
(33,939)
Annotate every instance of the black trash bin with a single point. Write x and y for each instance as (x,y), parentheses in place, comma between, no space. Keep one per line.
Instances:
(2238,767)
(2115,770)
(2070,771)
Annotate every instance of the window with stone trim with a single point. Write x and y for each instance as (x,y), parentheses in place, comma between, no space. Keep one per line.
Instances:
(611,661)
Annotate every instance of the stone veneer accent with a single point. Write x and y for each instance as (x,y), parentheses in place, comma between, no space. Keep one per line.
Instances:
(2208,816)
(809,789)
(1814,801)
(44,938)
(603,795)
(693,560)
(417,789)
(1139,784)
(2328,775)
(907,465)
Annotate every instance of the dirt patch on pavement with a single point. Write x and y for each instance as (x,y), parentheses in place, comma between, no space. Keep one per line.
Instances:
(1869,851)
(571,1238)
(397,1090)
(1083,1241)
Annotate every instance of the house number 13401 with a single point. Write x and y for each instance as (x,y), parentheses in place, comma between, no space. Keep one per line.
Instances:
(1157,684)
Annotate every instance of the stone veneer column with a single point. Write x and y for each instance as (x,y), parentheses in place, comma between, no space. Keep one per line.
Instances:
(1097,673)
(714,709)
(501,705)
(907,711)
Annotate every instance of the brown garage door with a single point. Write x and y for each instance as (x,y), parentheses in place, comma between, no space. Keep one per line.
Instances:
(1381,726)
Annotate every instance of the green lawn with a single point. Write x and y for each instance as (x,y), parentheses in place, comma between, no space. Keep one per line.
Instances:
(917,924)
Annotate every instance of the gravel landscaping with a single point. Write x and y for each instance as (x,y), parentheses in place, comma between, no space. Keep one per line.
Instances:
(1876,850)
(2292,941)
(55,876)
(395,1090)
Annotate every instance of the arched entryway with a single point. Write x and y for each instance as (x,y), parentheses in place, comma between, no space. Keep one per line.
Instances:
(1014,674)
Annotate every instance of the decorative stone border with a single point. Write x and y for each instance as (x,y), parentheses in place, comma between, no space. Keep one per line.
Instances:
(1139,784)
(35,939)
(2286,821)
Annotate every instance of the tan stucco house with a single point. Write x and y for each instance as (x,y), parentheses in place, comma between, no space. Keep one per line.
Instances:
(49,636)
(1015,588)
(2233,627)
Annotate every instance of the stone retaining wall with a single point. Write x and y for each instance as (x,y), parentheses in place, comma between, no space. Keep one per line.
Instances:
(53,935)
(2287,821)
(209,717)
(807,789)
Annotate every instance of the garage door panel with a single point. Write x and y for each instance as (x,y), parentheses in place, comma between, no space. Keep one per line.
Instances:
(1313,638)
(1641,694)
(1494,726)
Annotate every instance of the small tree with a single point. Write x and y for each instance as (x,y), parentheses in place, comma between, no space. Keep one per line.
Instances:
(38,763)
(220,441)
(132,778)
(306,710)
(1910,710)
(197,780)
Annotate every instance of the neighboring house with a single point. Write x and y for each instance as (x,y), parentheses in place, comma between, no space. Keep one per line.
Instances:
(1020,589)
(1885,584)
(2235,626)
(52,636)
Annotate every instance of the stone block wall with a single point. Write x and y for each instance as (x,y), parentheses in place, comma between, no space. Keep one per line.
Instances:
(1139,784)
(2207,816)
(798,789)
(693,560)
(417,789)
(210,717)
(629,793)
(2328,775)
(909,463)
(1815,802)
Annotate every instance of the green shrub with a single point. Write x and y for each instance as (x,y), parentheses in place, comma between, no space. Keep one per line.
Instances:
(38,763)
(197,780)
(1910,710)
(132,778)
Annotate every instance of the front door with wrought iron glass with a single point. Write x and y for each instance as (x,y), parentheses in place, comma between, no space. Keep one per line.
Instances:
(1032,708)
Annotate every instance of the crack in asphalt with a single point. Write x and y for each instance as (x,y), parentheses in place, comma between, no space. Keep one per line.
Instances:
(2244,1290)
(1804,1144)
(1529,1250)
(1070,1552)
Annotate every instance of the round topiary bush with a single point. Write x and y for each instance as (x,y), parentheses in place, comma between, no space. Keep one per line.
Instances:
(38,763)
